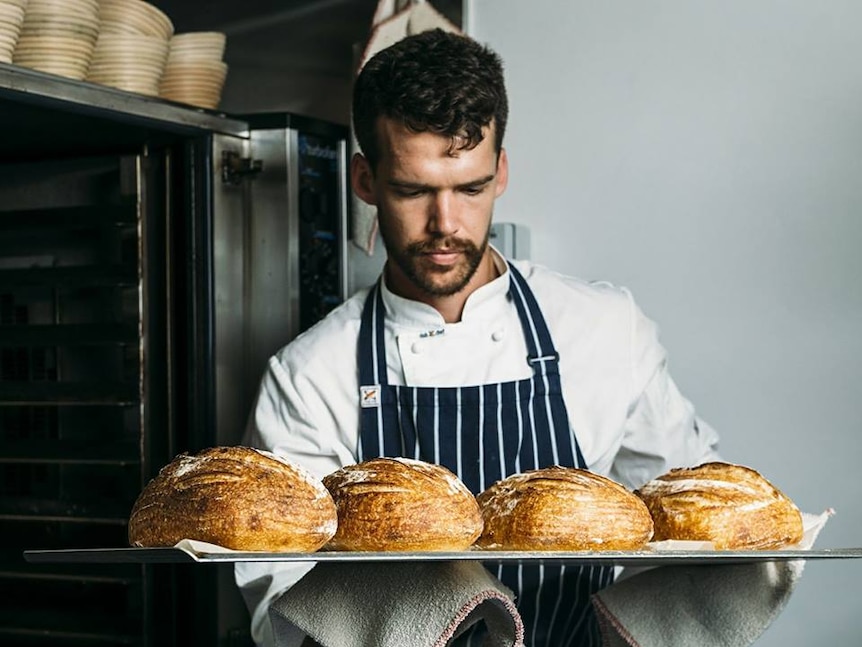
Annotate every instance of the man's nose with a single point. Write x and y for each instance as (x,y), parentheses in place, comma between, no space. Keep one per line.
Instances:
(444,218)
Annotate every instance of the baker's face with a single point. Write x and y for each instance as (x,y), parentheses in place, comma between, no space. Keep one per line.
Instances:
(434,208)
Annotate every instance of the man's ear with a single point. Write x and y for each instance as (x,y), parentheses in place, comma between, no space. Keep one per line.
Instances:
(502,173)
(362,179)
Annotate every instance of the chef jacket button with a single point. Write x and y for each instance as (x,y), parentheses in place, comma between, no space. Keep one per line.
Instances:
(497,335)
(416,348)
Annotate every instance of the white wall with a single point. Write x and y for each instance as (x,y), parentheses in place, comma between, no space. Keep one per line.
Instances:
(707,155)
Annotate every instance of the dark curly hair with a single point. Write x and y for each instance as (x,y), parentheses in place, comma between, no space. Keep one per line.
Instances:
(436,82)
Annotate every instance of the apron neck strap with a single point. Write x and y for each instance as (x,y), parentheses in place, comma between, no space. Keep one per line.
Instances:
(540,346)
(371,348)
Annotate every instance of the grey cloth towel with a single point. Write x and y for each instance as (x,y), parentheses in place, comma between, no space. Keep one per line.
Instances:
(708,606)
(727,605)
(395,604)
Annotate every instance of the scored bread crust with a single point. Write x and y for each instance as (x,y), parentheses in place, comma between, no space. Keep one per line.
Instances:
(732,506)
(401,504)
(237,497)
(562,509)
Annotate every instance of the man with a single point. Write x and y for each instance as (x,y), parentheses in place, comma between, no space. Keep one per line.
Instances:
(458,356)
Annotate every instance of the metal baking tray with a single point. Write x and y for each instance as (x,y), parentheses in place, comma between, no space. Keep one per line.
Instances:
(175,555)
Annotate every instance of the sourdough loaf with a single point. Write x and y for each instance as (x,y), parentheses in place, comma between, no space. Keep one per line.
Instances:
(562,509)
(401,504)
(236,497)
(732,506)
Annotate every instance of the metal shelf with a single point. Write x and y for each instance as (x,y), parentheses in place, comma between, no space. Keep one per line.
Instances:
(69,452)
(85,628)
(44,510)
(62,94)
(60,393)
(113,574)
(68,218)
(68,335)
(94,276)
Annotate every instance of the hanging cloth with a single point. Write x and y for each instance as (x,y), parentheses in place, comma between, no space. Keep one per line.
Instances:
(393,20)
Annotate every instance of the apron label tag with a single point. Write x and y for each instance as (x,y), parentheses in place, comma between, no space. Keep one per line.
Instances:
(369,396)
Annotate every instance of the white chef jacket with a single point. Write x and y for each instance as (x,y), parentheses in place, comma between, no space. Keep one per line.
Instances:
(631,421)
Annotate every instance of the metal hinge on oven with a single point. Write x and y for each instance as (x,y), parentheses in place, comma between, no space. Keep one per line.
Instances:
(235,168)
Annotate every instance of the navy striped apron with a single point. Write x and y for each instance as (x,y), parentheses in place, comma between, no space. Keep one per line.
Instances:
(484,433)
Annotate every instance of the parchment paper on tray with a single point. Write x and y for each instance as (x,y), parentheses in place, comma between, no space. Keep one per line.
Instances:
(194,547)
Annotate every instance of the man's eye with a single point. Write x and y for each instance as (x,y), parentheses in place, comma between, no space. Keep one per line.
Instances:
(409,193)
(473,190)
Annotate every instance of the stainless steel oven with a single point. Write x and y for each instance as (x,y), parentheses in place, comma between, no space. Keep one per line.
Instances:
(152,256)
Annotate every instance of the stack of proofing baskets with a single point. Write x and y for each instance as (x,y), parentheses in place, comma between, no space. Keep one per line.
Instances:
(195,72)
(132,48)
(58,36)
(11,21)
(125,44)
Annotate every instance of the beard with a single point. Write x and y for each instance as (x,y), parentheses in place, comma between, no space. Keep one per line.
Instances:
(431,278)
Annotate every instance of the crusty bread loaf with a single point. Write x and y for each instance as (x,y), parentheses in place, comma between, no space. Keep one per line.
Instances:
(730,505)
(236,497)
(561,509)
(400,504)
